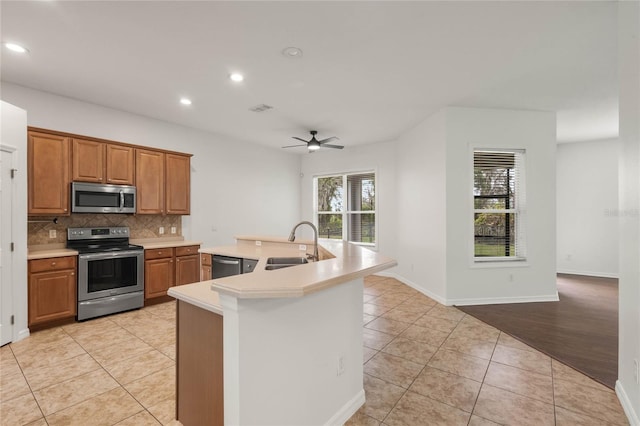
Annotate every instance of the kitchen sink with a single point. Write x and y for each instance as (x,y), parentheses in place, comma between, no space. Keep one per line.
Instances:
(274,263)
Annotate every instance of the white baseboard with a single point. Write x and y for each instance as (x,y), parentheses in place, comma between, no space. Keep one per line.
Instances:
(347,410)
(632,416)
(503,300)
(414,286)
(22,334)
(588,273)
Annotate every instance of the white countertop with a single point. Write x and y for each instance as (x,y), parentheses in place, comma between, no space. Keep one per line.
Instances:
(198,294)
(156,243)
(350,261)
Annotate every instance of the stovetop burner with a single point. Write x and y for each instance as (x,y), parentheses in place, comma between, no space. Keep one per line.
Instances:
(100,240)
(94,248)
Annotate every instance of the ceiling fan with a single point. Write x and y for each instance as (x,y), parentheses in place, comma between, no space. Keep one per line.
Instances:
(314,144)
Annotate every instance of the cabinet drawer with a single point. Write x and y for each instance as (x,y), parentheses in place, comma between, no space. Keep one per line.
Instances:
(187,250)
(158,253)
(52,264)
(205,259)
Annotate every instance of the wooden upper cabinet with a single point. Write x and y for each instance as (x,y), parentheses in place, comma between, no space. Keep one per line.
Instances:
(178,184)
(120,164)
(48,174)
(150,181)
(87,161)
(99,162)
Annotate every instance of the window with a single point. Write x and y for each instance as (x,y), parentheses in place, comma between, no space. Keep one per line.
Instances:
(345,207)
(499,201)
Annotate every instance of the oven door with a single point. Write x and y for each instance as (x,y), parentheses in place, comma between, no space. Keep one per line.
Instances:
(110,274)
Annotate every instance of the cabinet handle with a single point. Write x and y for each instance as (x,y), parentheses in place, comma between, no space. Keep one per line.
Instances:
(177,260)
(73,273)
(159,252)
(65,210)
(53,263)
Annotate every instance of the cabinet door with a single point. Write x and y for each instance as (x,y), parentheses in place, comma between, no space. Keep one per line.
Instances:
(150,181)
(87,161)
(178,184)
(187,269)
(48,174)
(158,277)
(120,161)
(52,296)
(205,273)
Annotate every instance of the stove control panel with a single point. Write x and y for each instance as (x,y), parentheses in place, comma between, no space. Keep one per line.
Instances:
(97,233)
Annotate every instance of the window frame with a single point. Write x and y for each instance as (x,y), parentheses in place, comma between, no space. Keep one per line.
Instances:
(345,211)
(519,211)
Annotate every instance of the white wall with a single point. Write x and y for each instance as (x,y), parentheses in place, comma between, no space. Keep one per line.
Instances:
(587,205)
(627,387)
(281,358)
(236,187)
(13,122)
(504,282)
(422,216)
(379,157)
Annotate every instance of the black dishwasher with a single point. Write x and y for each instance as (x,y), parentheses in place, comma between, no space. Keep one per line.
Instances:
(225,266)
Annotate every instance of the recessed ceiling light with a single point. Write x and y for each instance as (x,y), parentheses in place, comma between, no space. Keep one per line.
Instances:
(237,77)
(185,101)
(292,52)
(16,47)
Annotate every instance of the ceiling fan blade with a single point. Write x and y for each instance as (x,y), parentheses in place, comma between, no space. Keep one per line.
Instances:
(328,139)
(292,146)
(332,146)
(300,139)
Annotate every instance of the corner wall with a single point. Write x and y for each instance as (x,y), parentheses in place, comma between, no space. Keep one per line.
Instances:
(587,208)
(627,386)
(422,192)
(501,282)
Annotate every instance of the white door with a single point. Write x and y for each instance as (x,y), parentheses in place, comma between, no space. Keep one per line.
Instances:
(6,273)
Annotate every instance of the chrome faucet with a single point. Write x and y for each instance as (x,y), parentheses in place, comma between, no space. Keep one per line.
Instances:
(292,237)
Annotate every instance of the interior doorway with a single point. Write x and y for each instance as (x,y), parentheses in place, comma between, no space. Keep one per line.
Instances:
(6,242)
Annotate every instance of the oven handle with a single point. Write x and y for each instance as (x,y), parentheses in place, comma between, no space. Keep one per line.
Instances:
(121,199)
(111,255)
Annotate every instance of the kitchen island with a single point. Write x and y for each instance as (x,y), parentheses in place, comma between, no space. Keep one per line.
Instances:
(291,338)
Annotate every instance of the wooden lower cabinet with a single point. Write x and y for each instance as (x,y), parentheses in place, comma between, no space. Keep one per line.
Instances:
(159,272)
(168,267)
(199,367)
(187,265)
(205,269)
(52,289)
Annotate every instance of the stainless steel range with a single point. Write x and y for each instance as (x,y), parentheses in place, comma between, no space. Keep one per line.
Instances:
(110,271)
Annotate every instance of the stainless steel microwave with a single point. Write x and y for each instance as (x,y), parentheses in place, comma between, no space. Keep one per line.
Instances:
(102,198)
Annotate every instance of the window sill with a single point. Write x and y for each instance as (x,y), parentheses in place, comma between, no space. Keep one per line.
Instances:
(500,263)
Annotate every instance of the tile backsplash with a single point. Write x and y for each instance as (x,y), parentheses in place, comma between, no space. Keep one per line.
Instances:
(140,226)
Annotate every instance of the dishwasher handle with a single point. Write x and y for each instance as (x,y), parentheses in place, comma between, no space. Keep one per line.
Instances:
(226,262)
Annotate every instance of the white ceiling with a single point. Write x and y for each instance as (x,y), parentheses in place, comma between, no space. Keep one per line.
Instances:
(370,70)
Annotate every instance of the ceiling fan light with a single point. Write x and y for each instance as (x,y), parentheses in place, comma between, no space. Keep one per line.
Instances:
(313,146)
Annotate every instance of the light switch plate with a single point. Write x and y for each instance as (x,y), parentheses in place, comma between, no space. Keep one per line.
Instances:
(302,247)
(258,243)
(173,229)
(161,230)
(53,233)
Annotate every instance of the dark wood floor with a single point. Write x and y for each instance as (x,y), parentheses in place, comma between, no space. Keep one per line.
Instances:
(581,330)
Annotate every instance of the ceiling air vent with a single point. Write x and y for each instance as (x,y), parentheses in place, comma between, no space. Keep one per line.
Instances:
(261,108)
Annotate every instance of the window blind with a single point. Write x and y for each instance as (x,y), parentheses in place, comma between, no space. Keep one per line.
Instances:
(499,197)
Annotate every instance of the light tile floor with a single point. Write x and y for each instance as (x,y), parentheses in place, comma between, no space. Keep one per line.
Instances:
(425,364)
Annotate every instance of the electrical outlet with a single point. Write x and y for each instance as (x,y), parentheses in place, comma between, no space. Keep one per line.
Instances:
(173,229)
(340,370)
(53,233)
(161,230)
(258,243)
(302,247)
